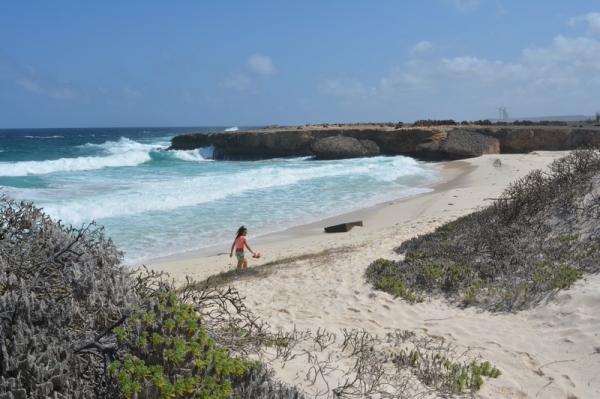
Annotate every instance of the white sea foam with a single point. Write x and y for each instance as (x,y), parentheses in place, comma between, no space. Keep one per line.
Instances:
(124,145)
(122,153)
(232,129)
(171,194)
(73,164)
(189,155)
(207,152)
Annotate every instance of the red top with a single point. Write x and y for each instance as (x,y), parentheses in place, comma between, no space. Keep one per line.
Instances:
(239,242)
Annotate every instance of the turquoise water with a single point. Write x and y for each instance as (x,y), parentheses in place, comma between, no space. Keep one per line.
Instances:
(155,203)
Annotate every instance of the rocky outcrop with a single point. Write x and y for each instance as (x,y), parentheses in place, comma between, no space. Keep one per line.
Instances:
(543,139)
(290,141)
(342,147)
(459,144)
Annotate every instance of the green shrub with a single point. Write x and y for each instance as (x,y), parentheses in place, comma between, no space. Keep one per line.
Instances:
(547,218)
(398,289)
(460,377)
(193,365)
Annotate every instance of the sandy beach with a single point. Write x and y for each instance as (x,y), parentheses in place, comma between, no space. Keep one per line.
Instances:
(548,351)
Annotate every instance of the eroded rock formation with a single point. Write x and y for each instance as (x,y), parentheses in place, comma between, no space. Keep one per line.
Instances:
(290,141)
(460,144)
(342,147)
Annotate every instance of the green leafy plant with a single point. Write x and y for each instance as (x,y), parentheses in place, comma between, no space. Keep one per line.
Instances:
(460,377)
(193,365)
(398,289)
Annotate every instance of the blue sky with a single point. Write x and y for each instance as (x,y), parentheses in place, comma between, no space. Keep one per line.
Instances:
(239,63)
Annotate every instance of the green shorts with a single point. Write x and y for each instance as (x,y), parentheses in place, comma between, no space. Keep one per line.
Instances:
(239,255)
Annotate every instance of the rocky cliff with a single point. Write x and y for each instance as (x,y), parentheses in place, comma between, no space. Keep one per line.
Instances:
(278,141)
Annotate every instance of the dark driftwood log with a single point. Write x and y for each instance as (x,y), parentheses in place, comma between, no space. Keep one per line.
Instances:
(342,228)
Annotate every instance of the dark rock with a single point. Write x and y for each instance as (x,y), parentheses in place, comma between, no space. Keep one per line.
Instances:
(466,144)
(341,147)
(460,144)
(371,147)
(343,227)
(435,122)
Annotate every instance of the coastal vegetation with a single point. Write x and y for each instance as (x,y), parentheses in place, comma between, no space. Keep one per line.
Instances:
(75,323)
(541,235)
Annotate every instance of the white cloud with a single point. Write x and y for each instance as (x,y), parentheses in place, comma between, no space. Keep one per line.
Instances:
(470,66)
(261,64)
(465,5)
(555,82)
(238,82)
(421,47)
(256,64)
(592,20)
(556,78)
(594,23)
(400,80)
(579,53)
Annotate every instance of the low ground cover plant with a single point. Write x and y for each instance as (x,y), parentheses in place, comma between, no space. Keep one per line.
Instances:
(540,235)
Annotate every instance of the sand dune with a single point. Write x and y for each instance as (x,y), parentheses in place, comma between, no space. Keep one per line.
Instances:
(549,351)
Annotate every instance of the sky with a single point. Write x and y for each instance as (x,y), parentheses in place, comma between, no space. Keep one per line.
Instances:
(248,63)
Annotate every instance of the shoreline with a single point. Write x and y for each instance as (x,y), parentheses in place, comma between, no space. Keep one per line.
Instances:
(373,217)
(547,351)
(380,219)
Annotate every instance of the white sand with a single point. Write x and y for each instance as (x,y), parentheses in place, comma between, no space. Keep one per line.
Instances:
(544,352)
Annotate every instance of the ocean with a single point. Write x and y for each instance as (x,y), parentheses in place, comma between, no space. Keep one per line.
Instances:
(155,203)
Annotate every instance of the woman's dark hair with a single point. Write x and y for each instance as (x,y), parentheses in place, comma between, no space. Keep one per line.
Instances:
(240,231)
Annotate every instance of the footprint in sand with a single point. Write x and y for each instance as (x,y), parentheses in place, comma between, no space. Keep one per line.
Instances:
(528,360)
(568,380)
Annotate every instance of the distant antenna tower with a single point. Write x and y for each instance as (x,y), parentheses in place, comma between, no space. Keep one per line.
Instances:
(502,114)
